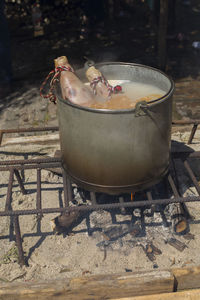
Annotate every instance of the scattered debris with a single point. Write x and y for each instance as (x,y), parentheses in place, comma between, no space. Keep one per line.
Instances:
(103,244)
(65,222)
(104,253)
(176,244)
(150,250)
(128,270)
(86,272)
(3,280)
(156,251)
(135,231)
(189,236)
(173,261)
(150,255)
(18,276)
(10,256)
(65,269)
(105,237)
(187,263)
(115,232)
(155,266)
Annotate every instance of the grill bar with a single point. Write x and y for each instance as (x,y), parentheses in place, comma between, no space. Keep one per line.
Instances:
(194,129)
(93,198)
(173,187)
(9,190)
(185,122)
(16,172)
(38,196)
(29,161)
(149,196)
(33,166)
(195,124)
(65,189)
(69,190)
(19,241)
(192,176)
(121,201)
(132,204)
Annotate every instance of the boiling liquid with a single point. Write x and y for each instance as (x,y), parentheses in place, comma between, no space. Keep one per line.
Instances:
(132,92)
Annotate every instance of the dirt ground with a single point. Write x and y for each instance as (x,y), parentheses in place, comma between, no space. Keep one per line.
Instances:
(56,256)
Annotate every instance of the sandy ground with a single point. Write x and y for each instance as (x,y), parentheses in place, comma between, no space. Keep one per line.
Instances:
(53,256)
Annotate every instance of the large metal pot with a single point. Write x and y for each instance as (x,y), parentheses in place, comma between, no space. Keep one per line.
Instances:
(118,151)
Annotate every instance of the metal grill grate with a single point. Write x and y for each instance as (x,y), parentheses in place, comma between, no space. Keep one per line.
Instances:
(15,166)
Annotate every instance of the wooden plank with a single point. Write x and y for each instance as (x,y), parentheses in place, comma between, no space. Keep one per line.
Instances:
(154,285)
(187,278)
(119,285)
(184,295)
(36,139)
(94,287)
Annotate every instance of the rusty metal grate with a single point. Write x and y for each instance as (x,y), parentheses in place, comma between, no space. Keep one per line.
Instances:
(15,166)
(194,124)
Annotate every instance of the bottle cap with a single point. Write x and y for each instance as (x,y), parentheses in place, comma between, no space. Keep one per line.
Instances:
(60,61)
(92,73)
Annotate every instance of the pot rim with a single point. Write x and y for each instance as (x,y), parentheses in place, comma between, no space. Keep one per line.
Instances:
(131,110)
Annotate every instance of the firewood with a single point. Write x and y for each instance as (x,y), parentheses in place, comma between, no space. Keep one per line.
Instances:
(149,252)
(156,250)
(179,220)
(66,221)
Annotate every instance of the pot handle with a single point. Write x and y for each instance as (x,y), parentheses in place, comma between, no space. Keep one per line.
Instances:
(140,108)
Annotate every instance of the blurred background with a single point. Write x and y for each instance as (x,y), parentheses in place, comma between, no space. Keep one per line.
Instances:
(160,33)
(102,30)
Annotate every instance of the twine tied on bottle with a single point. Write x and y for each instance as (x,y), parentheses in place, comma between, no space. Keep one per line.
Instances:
(116,89)
(54,74)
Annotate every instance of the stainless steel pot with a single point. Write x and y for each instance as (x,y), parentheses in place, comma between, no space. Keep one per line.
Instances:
(118,151)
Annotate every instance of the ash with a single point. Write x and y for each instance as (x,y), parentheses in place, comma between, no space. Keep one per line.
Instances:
(102,242)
